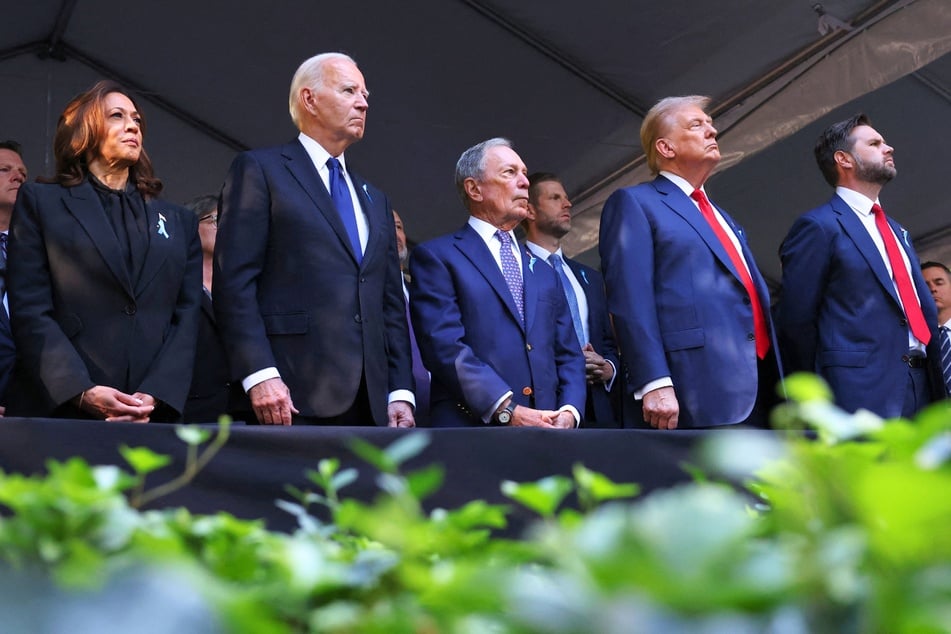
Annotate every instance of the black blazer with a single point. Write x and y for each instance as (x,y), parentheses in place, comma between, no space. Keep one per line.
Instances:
(79,319)
(603,406)
(289,292)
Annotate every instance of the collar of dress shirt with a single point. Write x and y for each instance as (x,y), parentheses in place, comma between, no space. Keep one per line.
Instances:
(682,183)
(542,252)
(487,231)
(318,154)
(859,203)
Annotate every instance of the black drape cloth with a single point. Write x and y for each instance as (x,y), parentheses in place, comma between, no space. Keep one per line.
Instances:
(252,470)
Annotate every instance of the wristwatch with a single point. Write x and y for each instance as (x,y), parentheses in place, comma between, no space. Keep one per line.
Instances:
(504,416)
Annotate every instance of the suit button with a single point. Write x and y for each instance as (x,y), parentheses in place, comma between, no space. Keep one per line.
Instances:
(357,319)
(363,279)
(750,336)
(902,322)
(527,391)
(528,347)
(129,309)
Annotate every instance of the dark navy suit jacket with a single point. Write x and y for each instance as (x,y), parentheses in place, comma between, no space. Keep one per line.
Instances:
(840,315)
(679,306)
(473,341)
(290,294)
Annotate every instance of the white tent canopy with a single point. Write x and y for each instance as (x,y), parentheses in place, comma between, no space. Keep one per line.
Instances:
(568,83)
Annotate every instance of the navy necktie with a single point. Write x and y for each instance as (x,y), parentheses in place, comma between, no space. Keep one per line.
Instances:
(511,271)
(946,356)
(3,266)
(559,267)
(340,194)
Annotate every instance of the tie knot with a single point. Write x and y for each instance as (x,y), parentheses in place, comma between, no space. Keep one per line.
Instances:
(334,165)
(503,237)
(877,210)
(555,260)
(699,196)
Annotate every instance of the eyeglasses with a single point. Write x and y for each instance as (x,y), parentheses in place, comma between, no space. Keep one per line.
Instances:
(212,217)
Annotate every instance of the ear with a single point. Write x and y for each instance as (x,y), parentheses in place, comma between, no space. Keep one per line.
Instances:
(531,213)
(472,189)
(307,99)
(664,148)
(844,160)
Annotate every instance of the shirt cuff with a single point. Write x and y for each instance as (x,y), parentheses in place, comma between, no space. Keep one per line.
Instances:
(487,416)
(574,412)
(402,395)
(259,377)
(665,381)
(610,384)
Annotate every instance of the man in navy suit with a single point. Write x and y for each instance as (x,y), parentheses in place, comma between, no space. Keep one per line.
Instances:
(855,307)
(690,308)
(494,328)
(307,282)
(12,175)
(548,221)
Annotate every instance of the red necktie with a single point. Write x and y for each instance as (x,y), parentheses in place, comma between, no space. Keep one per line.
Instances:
(759,318)
(909,298)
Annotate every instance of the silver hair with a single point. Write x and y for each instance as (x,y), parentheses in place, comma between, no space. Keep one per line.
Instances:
(471,164)
(310,74)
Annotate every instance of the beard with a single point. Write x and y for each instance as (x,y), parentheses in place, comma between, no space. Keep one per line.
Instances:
(878,173)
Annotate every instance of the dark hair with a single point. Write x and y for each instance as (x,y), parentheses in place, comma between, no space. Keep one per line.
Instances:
(80,132)
(931,264)
(837,137)
(534,180)
(11,145)
(202,205)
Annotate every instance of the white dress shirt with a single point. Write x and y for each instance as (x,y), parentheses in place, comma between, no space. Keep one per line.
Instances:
(862,206)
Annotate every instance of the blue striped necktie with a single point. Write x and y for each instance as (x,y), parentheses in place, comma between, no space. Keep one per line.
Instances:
(946,356)
(559,267)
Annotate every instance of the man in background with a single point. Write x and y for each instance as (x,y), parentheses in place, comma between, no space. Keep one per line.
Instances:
(548,221)
(12,175)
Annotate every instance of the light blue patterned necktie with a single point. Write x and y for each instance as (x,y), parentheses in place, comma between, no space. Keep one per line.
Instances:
(559,267)
(511,271)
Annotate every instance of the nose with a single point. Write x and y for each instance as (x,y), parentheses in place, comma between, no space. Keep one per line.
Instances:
(522,181)
(19,177)
(711,131)
(362,103)
(567,203)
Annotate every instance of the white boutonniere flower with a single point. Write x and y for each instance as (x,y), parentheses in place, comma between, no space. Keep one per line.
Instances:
(161,227)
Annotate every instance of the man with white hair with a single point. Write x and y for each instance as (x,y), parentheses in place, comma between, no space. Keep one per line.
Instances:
(307,281)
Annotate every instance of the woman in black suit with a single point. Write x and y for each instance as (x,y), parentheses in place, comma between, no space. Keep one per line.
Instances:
(104,278)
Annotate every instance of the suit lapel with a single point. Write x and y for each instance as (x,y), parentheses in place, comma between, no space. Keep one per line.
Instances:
(163,231)
(681,204)
(298,163)
(857,232)
(376,232)
(530,292)
(472,247)
(83,204)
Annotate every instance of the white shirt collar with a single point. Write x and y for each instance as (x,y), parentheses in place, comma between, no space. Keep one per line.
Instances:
(859,203)
(317,153)
(681,182)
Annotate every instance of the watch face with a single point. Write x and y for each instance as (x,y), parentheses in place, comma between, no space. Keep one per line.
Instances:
(505,417)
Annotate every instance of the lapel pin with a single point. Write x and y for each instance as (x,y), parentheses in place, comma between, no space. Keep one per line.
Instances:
(367,192)
(161,227)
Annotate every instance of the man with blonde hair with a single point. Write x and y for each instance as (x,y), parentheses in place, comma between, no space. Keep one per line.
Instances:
(308,292)
(690,308)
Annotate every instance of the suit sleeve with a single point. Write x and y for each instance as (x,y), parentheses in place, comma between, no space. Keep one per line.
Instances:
(399,351)
(627,259)
(169,375)
(608,344)
(805,257)
(42,346)
(438,322)
(240,252)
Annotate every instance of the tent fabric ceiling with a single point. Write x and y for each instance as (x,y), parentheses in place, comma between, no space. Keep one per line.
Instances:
(568,83)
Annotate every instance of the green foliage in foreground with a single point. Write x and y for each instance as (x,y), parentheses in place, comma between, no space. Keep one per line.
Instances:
(850,532)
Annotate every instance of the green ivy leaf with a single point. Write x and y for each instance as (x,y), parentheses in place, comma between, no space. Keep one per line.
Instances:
(372,454)
(409,446)
(594,487)
(142,459)
(804,387)
(192,435)
(543,496)
(425,481)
